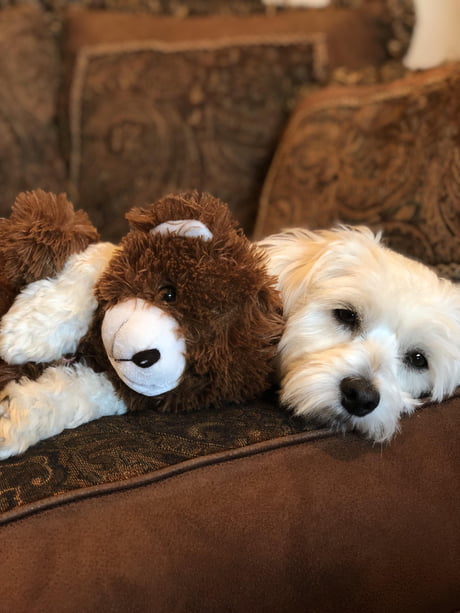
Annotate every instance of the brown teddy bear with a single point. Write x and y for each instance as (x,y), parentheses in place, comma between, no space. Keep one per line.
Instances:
(183,316)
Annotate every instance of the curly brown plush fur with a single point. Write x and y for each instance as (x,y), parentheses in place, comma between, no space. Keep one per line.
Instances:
(42,231)
(226,305)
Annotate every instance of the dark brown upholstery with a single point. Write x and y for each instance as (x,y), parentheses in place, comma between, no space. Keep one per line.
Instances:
(29,79)
(307,522)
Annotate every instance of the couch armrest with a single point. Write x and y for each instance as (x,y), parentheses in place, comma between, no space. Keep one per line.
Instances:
(311,521)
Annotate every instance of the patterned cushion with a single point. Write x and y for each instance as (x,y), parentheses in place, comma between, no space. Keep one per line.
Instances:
(159,104)
(29,71)
(387,156)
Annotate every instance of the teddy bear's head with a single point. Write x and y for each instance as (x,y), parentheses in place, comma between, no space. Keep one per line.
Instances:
(188,316)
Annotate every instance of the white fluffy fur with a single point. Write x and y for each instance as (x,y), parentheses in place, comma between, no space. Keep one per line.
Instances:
(63,397)
(29,332)
(402,307)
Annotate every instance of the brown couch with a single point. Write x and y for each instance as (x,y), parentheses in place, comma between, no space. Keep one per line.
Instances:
(292,117)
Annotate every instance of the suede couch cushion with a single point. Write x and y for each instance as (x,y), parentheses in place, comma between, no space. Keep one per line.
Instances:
(158,104)
(29,77)
(308,522)
(387,156)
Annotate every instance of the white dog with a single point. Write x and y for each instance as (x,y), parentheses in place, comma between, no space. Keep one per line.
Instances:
(369,332)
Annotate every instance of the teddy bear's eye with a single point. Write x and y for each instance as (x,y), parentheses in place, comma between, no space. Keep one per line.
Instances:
(347,317)
(416,360)
(167,293)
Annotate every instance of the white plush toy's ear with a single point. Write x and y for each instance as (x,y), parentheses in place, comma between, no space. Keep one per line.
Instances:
(191,228)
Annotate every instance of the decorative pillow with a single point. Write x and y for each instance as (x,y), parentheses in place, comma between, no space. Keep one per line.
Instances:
(29,72)
(387,156)
(159,104)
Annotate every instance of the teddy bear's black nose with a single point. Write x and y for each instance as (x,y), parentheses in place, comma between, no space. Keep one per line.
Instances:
(359,395)
(146,358)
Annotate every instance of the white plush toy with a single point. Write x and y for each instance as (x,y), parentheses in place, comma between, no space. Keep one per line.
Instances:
(180,315)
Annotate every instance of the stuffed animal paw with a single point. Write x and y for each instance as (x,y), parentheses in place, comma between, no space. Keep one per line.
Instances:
(30,332)
(62,397)
(17,430)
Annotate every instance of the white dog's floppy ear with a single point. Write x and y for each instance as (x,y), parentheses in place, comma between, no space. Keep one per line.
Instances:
(286,248)
(190,228)
(297,255)
(290,257)
(296,245)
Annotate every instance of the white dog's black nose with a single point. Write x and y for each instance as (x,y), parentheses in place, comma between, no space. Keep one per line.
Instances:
(359,395)
(147,358)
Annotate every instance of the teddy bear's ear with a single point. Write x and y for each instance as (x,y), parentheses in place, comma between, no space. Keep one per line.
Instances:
(190,228)
(140,219)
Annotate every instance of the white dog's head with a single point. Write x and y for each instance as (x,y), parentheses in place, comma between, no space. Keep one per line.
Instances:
(369,332)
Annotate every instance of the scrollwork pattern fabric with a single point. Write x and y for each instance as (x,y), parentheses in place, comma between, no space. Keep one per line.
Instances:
(138,134)
(118,448)
(386,156)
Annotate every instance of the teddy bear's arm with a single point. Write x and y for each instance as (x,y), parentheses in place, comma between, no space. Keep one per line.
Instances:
(63,397)
(50,316)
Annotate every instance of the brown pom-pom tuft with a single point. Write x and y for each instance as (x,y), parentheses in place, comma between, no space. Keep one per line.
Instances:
(42,231)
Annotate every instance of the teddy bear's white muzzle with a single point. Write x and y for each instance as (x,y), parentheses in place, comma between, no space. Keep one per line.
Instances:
(144,346)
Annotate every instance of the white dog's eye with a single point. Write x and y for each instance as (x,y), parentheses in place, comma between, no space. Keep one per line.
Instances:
(347,317)
(416,360)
